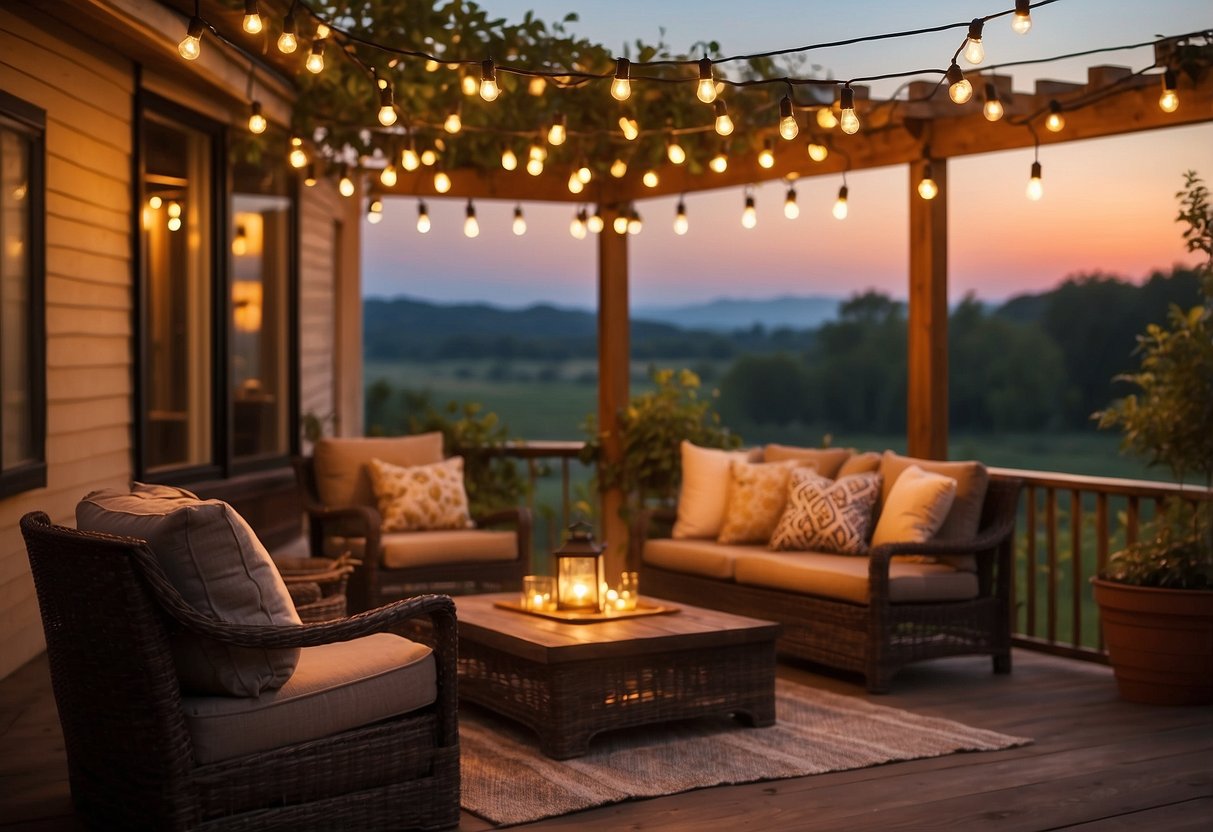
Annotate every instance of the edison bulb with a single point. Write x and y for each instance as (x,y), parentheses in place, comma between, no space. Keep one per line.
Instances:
(577,227)
(346,186)
(423,219)
(374,214)
(974,52)
(993,109)
(388,176)
(322,31)
(488,87)
(1035,187)
(790,209)
(537,85)
(818,152)
(619,168)
(256,121)
(675,153)
(252,23)
(595,223)
(649,179)
(719,163)
(309,177)
(508,160)
(315,59)
(621,89)
(584,173)
(635,225)
(173,210)
(174,223)
(557,133)
(442,182)
(766,157)
(428,157)
(724,124)
(840,204)
(387,115)
(519,223)
(1168,101)
(1055,122)
(620,224)
(536,151)
(706,89)
(431,65)
(453,123)
(927,189)
(190,46)
(849,121)
(681,225)
(749,216)
(468,85)
(1021,22)
(788,128)
(297,157)
(409,160)
(287,41)
(534,166)
(155,202)
(630,127)
(576,186)
(471,228)
(961,91)
(826,119)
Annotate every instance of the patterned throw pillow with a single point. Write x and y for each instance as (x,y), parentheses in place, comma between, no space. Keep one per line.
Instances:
(758,491)
(827,516)
(421,497)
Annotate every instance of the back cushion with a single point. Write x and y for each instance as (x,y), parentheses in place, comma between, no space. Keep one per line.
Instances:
(972,479)
(704,492)
(827,461)
(341,464)
(220,568)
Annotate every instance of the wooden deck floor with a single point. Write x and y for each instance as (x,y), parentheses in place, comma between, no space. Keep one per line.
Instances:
(1097,763)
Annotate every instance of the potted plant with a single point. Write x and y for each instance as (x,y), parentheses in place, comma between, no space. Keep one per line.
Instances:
(1156,596)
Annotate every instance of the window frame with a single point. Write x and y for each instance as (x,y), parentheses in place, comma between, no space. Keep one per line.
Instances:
(33,474)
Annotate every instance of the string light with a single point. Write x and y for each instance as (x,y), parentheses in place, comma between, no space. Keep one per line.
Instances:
(409,160)
(428,157)
(681,225)
(788,128)
(960,90)
(724,124)
(471,228)
(442,181)
(374,212)
(620,223)
(840,204)
(992,109)
(1035,188)
(252,18)
(508,160)
(635,223)
(818,152)
(826,119)
(576,186)
(619,168)
(345,185)
(535,158)
(297,157)
(577,226)
(322,31)
(927,187)
(173,209)
(675,152)
(1055,121)
(315,59)
(706,89)
(256,121)
(154,202)
(720,162)
(649,179)
(766,156)
(790,209)
(454,122)
(309,178)
(848,119)
(630,127)
(749,215)
(558,131)
(1169,100)
(537,85)
(519,221)
(387,109)
(1021,21)
(388,176)
(468,85)
(190,46)
(621,87)
(288,42)
(584,173)
(423,218)
(595,223)
(974,52)
(488,81)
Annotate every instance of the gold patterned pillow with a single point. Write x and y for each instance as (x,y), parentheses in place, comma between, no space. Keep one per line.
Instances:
(758,492)
(825,515)
(421,497)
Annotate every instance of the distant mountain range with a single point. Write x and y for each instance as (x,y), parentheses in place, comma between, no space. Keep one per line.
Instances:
(731,314)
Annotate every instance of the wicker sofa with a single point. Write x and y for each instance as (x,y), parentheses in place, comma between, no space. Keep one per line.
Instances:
(902,603)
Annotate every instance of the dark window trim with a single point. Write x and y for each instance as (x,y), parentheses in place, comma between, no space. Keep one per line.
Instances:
(33,475)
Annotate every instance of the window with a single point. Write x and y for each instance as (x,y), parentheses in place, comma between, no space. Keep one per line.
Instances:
(22,313)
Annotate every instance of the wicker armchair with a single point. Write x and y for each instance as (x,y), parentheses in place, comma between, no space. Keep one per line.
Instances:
(332,529)
(109,616)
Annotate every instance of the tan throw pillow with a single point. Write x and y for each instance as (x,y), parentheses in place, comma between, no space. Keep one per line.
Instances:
(421,497)
(827,461)
(827,516)
(758,492)
(705,489)
(863,463)
(917,505)
(340,463)
(972,479)
(213,558)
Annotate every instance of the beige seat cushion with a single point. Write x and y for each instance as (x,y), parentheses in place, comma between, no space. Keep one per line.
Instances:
(695,557)
(846,578)
(916,507)
(758,492)
(421,497)
(336,687)
(340,464)
(864,463)
(704,491)
(402,550)
(216,562)
(827,461)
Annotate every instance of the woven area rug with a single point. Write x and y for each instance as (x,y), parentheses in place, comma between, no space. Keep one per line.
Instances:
(507,781)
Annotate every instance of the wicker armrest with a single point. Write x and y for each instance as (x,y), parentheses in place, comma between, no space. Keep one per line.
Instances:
(518,515)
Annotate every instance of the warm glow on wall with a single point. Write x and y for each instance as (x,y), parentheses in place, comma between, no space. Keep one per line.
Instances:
(246,305)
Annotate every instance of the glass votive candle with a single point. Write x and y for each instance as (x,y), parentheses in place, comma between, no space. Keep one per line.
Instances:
(629,590)
(538,592)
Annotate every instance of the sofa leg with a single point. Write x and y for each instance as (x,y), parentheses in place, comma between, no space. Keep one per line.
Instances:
(1002,663)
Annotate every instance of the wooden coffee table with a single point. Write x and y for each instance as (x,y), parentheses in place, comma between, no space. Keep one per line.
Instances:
(568,682)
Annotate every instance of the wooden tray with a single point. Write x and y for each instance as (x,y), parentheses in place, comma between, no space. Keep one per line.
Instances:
(580,617)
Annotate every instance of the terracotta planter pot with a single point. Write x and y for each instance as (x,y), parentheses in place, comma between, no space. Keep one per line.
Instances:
(1160,642)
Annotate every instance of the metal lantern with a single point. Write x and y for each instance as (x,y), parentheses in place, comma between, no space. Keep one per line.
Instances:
(579,571)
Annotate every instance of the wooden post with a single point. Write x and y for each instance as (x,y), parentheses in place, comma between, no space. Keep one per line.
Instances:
(613,373)
(927,347)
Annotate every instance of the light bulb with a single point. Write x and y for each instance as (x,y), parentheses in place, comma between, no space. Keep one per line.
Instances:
(322,31)
(252,18)
(374,213)
(621,87)
(974,52)
(576,186)
(630,127)
(620,224)
(577,226)
(766,156)
(1035,188)
(749,216)
(675,152)
(1055,121)
(724,124)
(1021,23)
(309,178)
(584,173)
(471,228)
(315,59)
(960,90)
(488,81)
(346,185)
(432,66)
(826,119)
(595,223)
(992,109)
(927,187)
(790,209)
(298,156)
(409,160)
(453,123)
(174,224)
(428,157)
(537,85)
(287,41)
(635,224)
(848,120)
(423,218)
(388,176)
(387,109)
(840,204)
(468,85)
(256,121)
(557,133)
(190,46)
(508,160)
(173,209)
(649,179)
(719,162)
(788,128)
(155,202)
(681,226)
(619,168)
(240,242)
(706,89)
(1169,100)
(442,182)
(534,166)
(537,151)
(818,152)
(519,222)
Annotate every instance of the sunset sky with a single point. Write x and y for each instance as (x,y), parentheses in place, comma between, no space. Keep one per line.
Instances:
(1109,204)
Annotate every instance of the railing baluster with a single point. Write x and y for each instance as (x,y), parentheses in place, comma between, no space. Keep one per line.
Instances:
(1101,544)
(1133,512)
(1076,565)
(1031,558)
(1051,555)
